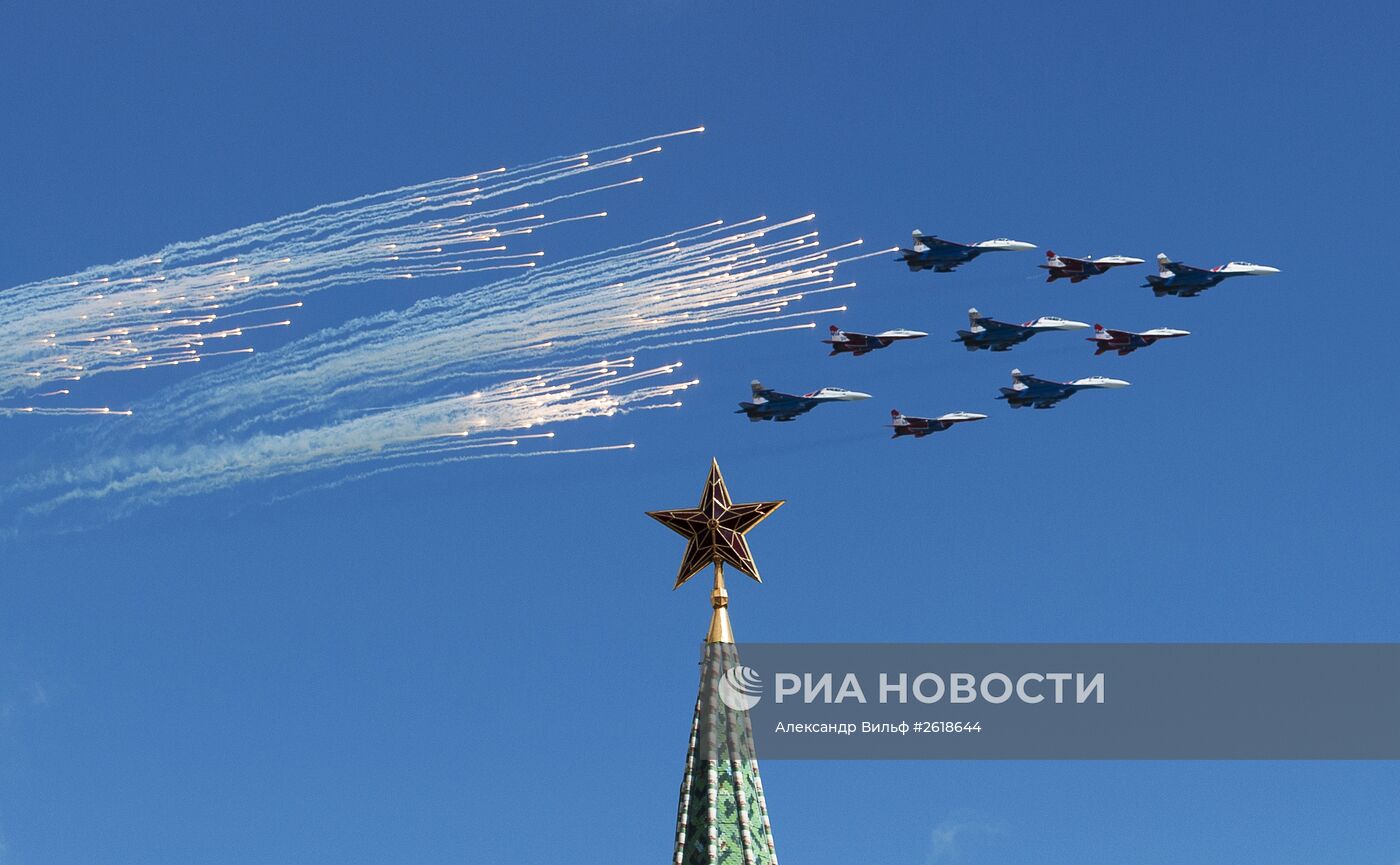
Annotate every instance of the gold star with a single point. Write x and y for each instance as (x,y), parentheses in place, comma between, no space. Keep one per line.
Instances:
(715,530)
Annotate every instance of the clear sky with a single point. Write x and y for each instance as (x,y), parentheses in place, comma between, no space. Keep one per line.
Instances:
(485,663)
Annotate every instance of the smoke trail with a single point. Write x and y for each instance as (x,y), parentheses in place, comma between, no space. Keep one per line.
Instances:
(386,391)
(699,278)
(438,430)
(390,390)
(162,309)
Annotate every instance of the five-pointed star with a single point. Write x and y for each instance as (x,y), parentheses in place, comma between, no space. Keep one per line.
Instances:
(715,530)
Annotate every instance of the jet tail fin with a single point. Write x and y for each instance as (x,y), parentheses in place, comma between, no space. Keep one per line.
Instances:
(1163,272)
(975,319)
(919,245)
(898,422)
(1100,340)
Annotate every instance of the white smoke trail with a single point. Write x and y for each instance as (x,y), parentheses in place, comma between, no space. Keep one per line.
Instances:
(424,433)
(161,309)
(386,391)
(685,282)
(433,463)
(366,396)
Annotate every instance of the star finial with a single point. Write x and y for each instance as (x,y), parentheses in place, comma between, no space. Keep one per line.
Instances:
(715,529)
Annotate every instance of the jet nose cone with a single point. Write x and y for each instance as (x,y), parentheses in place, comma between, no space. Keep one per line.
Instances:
(855,395)
(1165,332)
(1019,245)
(1072,325)
(1113,382)
(1248,268)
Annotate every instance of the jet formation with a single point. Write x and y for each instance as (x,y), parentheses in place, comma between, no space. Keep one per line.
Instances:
(986,333)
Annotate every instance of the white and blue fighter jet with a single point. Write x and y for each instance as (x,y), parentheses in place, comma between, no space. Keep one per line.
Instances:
(943,256)
(1183,280)
(986,332)
(768,404)
(1027,390)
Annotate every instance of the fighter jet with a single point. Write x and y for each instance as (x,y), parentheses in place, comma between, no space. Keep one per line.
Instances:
(864,343)
(1000,335)
(774,405)
(1080,269)
(942,256)
(1027,390)
(1127,342)
(1183,280)
(918,427)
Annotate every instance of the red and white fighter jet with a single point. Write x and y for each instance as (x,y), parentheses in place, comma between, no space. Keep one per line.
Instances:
(1127,342)
(918,427)
(848,341)
(1080,269)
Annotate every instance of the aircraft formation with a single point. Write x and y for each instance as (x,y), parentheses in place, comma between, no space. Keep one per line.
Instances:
(986,333)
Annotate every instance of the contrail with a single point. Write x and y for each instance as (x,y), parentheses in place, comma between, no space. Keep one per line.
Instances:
(453,459)
(41,410)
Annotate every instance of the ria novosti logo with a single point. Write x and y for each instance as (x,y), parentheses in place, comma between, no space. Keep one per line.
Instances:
(740,688)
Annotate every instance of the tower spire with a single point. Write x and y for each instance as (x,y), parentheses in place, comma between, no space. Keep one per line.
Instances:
(720,630)
(722,818)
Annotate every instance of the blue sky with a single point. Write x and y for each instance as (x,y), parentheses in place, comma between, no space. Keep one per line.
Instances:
(485,663)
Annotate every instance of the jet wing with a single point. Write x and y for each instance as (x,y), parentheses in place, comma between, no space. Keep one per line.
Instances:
(1119,334)
(1180,269)
(790,412)
(1032,381)
(993,324)
(935,242)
